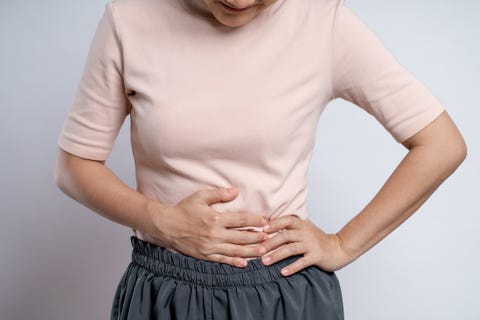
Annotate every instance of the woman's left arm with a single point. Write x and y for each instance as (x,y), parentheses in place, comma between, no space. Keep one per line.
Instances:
(435,152)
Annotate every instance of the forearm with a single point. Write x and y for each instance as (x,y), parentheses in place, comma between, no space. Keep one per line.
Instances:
(412,182)
(95,186)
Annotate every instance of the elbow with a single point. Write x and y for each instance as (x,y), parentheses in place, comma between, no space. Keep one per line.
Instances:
(453,152)
(58,179)
(459,151)
(59,172)
(63,174)
(69,170)
(442,139)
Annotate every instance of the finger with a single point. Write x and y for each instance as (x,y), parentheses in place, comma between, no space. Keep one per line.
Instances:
(284,237)
(217,194)
(242,237)
(283,252)
(296,266)
(283,222)
(233,261)
(233,250)
(240,219)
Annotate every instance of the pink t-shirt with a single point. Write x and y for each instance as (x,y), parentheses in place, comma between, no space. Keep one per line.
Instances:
(213,105)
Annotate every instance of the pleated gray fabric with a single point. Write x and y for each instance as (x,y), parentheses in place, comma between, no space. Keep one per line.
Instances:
(161,284)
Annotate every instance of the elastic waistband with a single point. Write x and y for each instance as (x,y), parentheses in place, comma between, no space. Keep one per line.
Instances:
(164,262)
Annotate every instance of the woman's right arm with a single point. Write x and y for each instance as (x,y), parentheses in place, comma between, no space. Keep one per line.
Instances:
(191,227)
(93,184)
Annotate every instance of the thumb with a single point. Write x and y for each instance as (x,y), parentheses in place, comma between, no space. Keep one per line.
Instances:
(218,194)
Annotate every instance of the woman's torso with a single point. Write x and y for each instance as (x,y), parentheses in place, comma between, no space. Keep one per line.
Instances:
(219,106)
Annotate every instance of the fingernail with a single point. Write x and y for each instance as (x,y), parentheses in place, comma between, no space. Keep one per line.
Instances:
(267,258)
(266,236)
(262,250)
(264,221)
(265,227)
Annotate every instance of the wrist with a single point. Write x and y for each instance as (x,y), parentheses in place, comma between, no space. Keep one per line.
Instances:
(153,223)
(349,253)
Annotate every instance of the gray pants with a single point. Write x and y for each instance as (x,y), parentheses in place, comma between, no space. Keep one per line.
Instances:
(161,284)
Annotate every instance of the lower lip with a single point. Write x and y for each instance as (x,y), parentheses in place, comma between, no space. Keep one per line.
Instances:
(232,10)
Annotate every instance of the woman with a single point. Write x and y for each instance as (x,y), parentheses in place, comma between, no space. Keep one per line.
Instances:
(228,94)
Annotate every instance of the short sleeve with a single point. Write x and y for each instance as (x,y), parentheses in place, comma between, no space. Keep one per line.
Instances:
(365,73)
(100,105)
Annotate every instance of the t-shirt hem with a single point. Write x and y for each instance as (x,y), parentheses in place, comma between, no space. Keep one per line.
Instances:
(420,123)
(80,152)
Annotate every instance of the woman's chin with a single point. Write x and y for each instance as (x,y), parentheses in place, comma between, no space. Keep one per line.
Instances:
(232,19)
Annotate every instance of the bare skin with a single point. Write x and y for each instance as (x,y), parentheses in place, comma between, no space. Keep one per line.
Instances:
(193,228)
(434,154)
(220,10)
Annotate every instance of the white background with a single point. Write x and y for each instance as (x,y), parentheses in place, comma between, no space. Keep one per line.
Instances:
(59,260)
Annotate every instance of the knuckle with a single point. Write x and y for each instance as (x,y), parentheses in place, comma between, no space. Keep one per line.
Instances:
(215,219)
(210,235)
(290,220)
(273,257)
(224,192)
(243,220)
(204,248)
(222,259)
(285,235)
(260,220)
